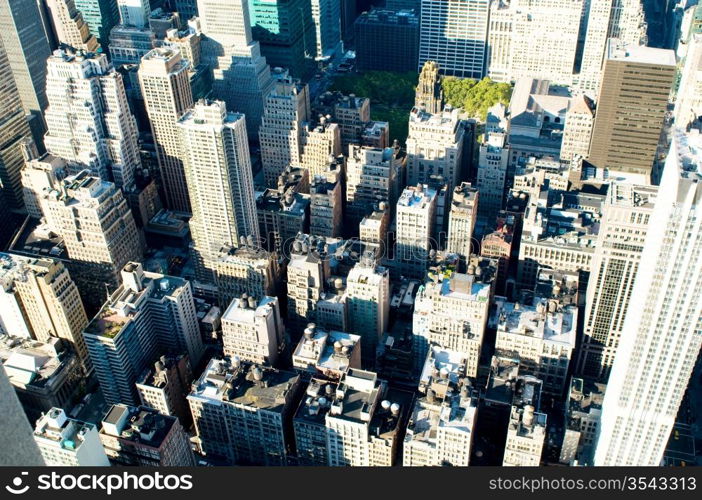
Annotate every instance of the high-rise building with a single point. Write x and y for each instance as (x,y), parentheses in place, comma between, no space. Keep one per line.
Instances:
(48,298)
(134,12)
(373,176)
(70,27)
(622,234)
(415,219)
(241,76)
(440,431)
(429,96)
(253,330)
(434,147)
(577,131)
(128,44)
(688,105)
(166,386)
(101,16)
(321,146)
(329,354)
(27,48)
(141,436)
(352,113)
(368,305)
(98,231)
(583,412)
(452,312)
(454,34)
(64,441)
(245,269)
(44,374)
(631,107)
(526,435)
(14,130)
(282,214)
(280,135)
(286,32)
(220,181)
(326,16)
(90,124)
(165,87)
(660,339)
(523,42)
(462,217)
(325,204)
(387,40)
(149,314)
(243,412)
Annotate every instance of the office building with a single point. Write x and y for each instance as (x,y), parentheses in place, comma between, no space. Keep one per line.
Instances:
(253,330)
(526,435)
(415,219)
(165,88)
(328,354)
(434,147)
(100,16)
(541,336)
(462,217)
(577,130)
(454,34)
(241,76)
(368,305)
(44,375)
(64,441)
(165,386)
(631,107)
(387,40)
(321,146)
(659,343)
(128,44)
(325,205)
(583,412)
(441,429)
(246,269)
(285,31)
(615,265)
(280,135)
(134,12)
(149,314)
(85,91)
(373,175)
(141,436)
(27,48)
(352,113)
(429,96)
(326,16)
(14,131)
(282,214)
(98,231)
(688,105)
(70,27)
(243,412)
(48,299)
(452,312)
(220,181)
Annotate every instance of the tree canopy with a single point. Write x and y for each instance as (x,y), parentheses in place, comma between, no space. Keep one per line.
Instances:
(475,97)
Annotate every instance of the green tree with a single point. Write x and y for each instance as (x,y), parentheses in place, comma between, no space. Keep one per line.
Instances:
(474,97)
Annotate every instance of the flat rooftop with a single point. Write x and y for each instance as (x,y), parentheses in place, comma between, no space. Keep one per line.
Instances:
(539,321)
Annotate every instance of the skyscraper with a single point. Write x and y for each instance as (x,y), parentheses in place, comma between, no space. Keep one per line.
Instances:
(615,265)
(462,217)
(631,107)
(454,34)
(689,97)
(165,87)
(253,330)
(27,49)
(101,16)
(326,16)
(55,430)
(217,164)
(134,12)
(70,27)
(242,78)
(14,129)
(387,40)
(429,96)
(660,340)
(415,219)
(90,124)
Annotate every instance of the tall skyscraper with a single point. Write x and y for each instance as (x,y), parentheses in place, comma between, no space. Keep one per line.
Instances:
(53,433)
(454,34)
(148,314)
(429,96)
(165,87)
(689,97)
(253,330)
(326,16)
(14,130)
(90,124)
(631,107)
(101,16)
(215,154)
(48,298)
(27,49)
(134,12)
(462,217)
(387,40)
(242,78)
(281,132)
(415,219)
(660,339)
(615,265)
(70,27)
(97,227)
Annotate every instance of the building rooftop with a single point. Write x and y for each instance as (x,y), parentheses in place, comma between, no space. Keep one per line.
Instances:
(292,203)
(230,380)
(507,387)
(56,427)
(546,320)
(619,50)
(243,310)
(687,146)
(141,425)
(30,362)
(417,197)
(330,352)
(527,422)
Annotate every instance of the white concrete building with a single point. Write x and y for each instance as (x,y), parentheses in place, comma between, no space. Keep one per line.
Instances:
(526,435)
(253,330)
(372,176)
(688,105)
(462,218)
(415,219)
(220,181)
(64,441)
(660,340)
(577,131)
(328,353)
(70,27)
